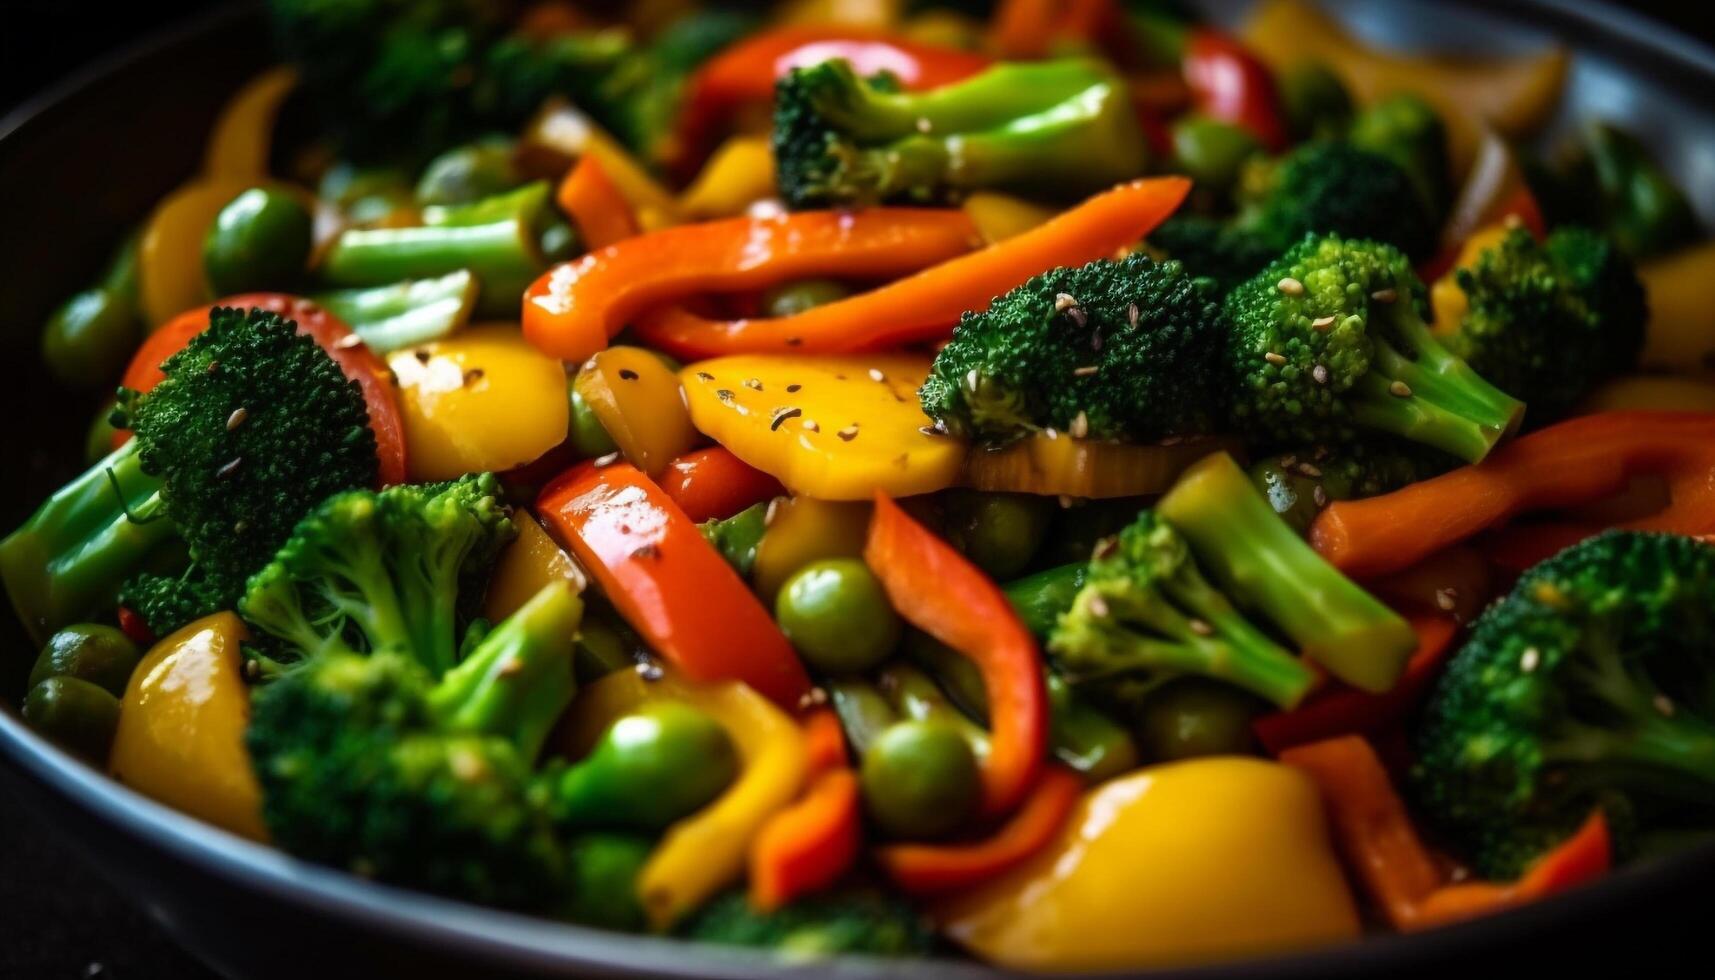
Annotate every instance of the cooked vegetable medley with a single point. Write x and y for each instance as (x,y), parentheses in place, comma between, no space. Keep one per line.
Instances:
(890,478)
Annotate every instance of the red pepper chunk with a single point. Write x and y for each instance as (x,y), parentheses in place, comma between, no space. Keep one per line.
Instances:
(668,582)
(937,590)
(811,844)
(1231,84)
(713,484)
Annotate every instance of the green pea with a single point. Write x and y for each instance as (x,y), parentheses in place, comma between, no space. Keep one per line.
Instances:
(649,769)
(259,241)
(837,616)
(468,173)
(603,870)
(91,652)
(588,438)
(1212,152)
(1315,101)
(999,532)
(920,780)
(796,297)
(87,341)
(1195,717)
(74,714)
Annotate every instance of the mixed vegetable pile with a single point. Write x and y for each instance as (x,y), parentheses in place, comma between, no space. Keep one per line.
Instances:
(1063,482)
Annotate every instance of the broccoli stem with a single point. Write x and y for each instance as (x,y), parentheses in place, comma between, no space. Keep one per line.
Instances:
(1039,599)
(1256,556)
(70,558)
(404,314)
(520,677)
(1443,403)
(989,99)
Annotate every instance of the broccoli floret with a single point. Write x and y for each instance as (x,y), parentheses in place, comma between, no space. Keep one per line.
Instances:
(1129,347)
(1325,187)
(394,569)
(640,99)
(1408,131)
(251,427)
(861,922)
(1549,322)
(1330,342)
(1146,613)
(1058,129)
(1588,686)
(372,764)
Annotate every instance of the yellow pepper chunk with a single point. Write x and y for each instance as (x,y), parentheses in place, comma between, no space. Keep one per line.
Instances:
(835,428)
(529,563)
(637,398)
(239,144)
(181,727)
(1188,862)
(705,852)
(561,133)
(480,400)
(802,530)
(1681,335)
(1446,298)
(170,277)
(738,174)
(1001,216)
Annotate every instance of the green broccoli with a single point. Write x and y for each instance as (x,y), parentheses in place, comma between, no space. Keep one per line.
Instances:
(1587,686)
(1325,187)
(1110,350)
(384,766)
(1549,322)
(1057,128)
(1408,131)
(394,569)
(251,427)
(1329,342)
(853,921)
(1611,182)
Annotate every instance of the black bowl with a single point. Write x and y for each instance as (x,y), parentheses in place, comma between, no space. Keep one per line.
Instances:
(84,163)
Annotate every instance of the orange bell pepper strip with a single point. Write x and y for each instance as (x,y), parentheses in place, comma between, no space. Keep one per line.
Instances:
(937,590)
(1575,462)
(1581,858)
(712,484)
(744,73)
(924,307)
(1348,711)
(668,582)
(825,740)
(934,869)
(592,200)
(810,845)
(359,363)
(574,308)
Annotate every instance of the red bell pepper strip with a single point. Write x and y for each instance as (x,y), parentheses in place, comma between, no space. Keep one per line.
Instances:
(591,199)
(937,590)
(1581,858)
(1231,84)
(668,582)
(744,74)
(924,307)
(359,363)
(933,869)
(1579,461)
(713,484)
(810,845)
(1347,711)
(134,628)
(572,310)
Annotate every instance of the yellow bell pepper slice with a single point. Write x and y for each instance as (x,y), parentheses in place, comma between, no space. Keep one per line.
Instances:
(705,852)
(239,145)
(1681,335)
(181,727)
(170,277)
(802,530)
(638,399)
(1188,862)
(1514,95)
(1446,299)
(1001,216)
(738,174)
(480,400)
(560,134)
(835,428)
(1651,393)
(531,562)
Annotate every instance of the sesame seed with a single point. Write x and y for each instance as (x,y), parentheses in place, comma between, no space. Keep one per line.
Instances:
(1080,426)
(650,550)
(794,389)
(1399,389)
(938,429)
(924,125)
(1078,315)
(876,375)
(1051,433)
(1322,322)
(1387,295)
(649,670)
(705,376)
(1663,704)
(848,433)
(229,467)
(1105,547)
(239,527)
(237,418)
(1529,660)
(347,342)
(1200,627)
(1310,470)
(1319,495)
(811,426)
(1132,314)
(1065,501)
(1320,373)
(475,375)
(1273,358)
(214,366)
(1085,371)
(972,379)
(1064,302)
(607,460)
(781,415)
(724,394)
(627,374)
(1098,605)
(1446,599)
(1290,286)
(773,509)
(814,697)
(753,384)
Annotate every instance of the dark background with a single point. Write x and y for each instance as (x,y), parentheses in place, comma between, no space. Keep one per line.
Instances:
(58,917)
